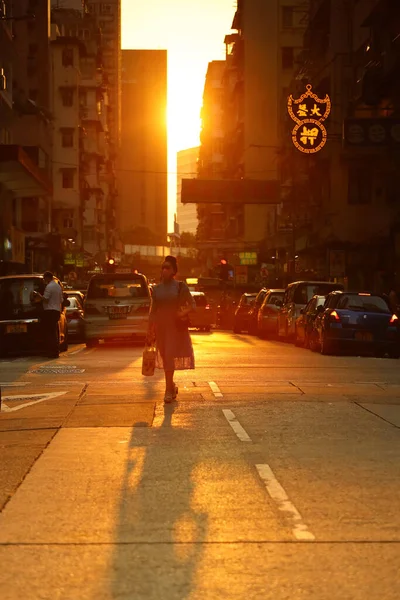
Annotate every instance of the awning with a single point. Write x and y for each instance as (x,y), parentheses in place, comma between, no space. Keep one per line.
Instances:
(20,175)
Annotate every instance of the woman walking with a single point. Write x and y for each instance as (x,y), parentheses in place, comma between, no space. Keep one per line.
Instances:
(171,305)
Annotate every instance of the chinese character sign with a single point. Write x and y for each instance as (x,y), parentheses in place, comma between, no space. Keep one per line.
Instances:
(309,111)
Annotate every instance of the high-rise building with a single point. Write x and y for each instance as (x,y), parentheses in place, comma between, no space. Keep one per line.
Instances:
(25,136)
(81,152)
(186,167)
(142,166)
(108,18)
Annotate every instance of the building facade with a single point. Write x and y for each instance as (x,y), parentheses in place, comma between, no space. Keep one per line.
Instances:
(142,168)
(351,52)
(82,169)
(25,137)
(187,161)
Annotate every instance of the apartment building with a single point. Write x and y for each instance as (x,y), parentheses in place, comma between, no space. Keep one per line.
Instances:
(25,137)
(107,16)
(82,168)
(212,217)
(142,167)
(352,52)
(186,163)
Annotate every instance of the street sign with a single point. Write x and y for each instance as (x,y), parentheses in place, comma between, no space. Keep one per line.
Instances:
(248,258)
(69,258)
(80,260)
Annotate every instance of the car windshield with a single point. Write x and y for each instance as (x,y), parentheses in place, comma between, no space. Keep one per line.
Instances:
(16,295)
(127,288)
(374,304)
(306,291)
(200,300)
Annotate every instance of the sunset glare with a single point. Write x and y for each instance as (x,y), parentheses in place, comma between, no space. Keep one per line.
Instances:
(193,39)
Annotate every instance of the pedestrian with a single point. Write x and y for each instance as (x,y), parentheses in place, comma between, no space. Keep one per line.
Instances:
(52,299)
(171,306)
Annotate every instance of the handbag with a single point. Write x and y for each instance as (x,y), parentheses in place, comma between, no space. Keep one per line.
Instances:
(149,361)
(182,324)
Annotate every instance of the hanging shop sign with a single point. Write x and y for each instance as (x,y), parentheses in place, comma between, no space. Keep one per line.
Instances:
(309,112)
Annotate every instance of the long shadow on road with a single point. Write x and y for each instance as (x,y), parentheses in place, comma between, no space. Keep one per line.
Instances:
(156,516)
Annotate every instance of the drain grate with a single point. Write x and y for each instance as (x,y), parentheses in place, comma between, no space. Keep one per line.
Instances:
(57,370)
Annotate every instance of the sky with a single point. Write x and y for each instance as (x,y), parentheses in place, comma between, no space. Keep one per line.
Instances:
(193,32)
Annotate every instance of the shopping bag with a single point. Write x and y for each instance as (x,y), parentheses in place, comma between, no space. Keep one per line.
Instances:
(149,361)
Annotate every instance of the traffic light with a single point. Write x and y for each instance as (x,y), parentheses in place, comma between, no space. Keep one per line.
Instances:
(224,270)
(109,266)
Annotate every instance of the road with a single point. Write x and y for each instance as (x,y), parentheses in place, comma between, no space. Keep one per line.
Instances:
(275,476)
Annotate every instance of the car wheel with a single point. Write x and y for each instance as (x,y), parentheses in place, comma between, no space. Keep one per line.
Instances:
(326,346)
(64,345)
(394,354)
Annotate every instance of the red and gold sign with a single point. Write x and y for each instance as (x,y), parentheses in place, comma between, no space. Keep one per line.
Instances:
(309,111)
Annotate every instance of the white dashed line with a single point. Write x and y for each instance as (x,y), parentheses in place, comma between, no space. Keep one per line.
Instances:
(236,426)
(215,389)
(278,495)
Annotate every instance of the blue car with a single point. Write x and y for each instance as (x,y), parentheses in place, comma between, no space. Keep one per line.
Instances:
(357,321)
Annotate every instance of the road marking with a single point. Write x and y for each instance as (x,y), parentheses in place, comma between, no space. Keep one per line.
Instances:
(14,384)
(278,495)
(76,351)
(236,426)
(215,389)
(40,398)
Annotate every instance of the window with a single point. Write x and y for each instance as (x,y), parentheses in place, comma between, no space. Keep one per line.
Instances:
(106,9)
(68,57)
(67,96)
(68,220)
(68,178)
(287,16)
(67,137)
(359,186)
(287,57)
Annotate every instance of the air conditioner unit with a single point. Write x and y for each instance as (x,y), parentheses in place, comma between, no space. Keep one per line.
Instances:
(3,81)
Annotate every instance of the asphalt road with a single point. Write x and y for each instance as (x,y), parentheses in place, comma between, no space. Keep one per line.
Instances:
(275,476)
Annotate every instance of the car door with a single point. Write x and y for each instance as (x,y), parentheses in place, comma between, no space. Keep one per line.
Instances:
(285,312)
(303,322)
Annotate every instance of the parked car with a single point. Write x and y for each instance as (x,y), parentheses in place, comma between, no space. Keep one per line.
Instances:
(241,318)
(358,321)
(116,307)
(305,322)
(268,313)
(202,318)
(253,312)
(75,294)
(75,319)
(297,296)
(21,325)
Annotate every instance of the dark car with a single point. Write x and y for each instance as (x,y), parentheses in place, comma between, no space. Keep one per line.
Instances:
(240,321)
(21,325)
(268,313)
(305,323)
(76,322)
(253,312)
(357,321)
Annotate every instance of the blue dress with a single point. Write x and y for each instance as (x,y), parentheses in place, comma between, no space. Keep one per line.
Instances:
(174,346)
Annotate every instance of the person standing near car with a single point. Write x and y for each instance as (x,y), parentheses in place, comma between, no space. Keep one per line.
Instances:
(52,299)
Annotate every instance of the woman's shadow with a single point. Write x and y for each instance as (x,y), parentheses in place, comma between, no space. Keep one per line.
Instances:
(159,535)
